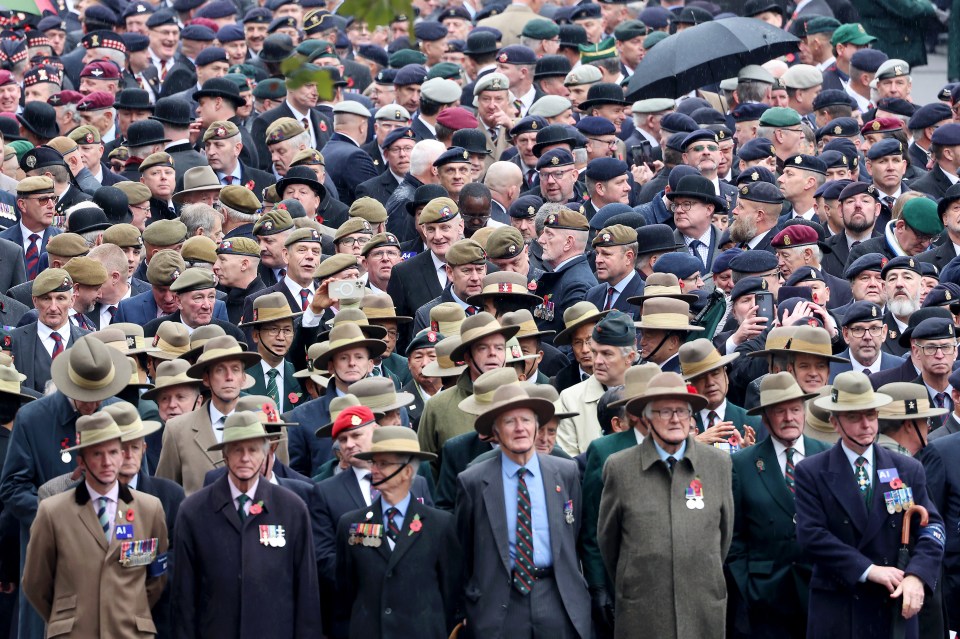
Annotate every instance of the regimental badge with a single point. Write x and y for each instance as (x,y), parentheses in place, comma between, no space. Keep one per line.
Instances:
(66,281)
(504,287)
(606,237)
(431,336)
(314,235)
(95,41)
(883,262)
(174,275)
(495,82)
(892,334)
(834,394)
(515,352)
(256,314)
(786,240)
(552,219)
(268,225)
(721,135)
(42,74)
(898,69)
(555,160)
(276,136)
(872,190)
(534,125)
(873,311)
(875,126)
(355,420)
(221,132)
(911,263)
(837,130)
(947,295)
(798,160)
(89,138)
(744,190)
(860,28)
(531,211)
(97,72)
(513,249)
(503,57)
(466,155)
(31,161)
(843,159)
(131,341)
(763,285)
(445,211)
(226,245)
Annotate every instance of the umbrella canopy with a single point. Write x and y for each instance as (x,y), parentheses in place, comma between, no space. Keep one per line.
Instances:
(705,54)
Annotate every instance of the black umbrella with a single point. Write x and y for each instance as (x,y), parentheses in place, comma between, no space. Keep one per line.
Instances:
(705,54)
(898,628)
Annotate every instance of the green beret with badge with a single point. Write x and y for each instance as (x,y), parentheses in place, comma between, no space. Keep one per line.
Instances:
(157,159)
(165,233)
(369,209)
(37,184)
(165,267)
(352,225)
(52,280)
(606,48)
(194,279)
(439,210)
(465,252)
(504,243)
(336,264)
(240,199)
(283,129)
(86,271)
(630,29)
(540,29)
(780,117)
(137,192)
(567,220)
(221,130)
(69,245)
(380,240)
(303,235)
(615,235)
(239,246)
(276,221)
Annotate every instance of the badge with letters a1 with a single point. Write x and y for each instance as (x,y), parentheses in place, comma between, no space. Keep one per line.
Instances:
(124,531)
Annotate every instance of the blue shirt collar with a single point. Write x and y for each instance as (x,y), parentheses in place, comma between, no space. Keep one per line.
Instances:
(402,506)
(664,454)
(511,467)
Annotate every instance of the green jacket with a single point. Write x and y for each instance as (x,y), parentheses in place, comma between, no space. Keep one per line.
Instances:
(442,418)
(397,364)
(597,454)
(899,27)
(734,414)
(765,559)
(292,393)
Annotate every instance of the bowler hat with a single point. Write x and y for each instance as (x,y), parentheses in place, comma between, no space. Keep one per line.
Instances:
(40,119)
(133,100)
(424,195)
(86,219)
(698,188)
(220,88)
(115,204)
(145,133)
(173,111)
(601,93)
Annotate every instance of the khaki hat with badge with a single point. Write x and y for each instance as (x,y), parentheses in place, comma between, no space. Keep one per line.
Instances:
(264,408)
(52,280)
(98,428)
(194,279)
(445,365)
(241,427)
(276,221)
(169,374)
(122,235)
(238,246)
(477,327)
(395,440)
(635,382)
(89,371)
(666,314)
(817,420)
(69,245)
(666,386)
(198,179)
(164,233)
(307,157)
(576,316)
(504,243)
(662,285)
(505,284)
(35,184)
(85,134)
(369,209)
(199,248)
(446,318)
(852,392)
(165,267)
(121,341)
(222,349)
(777,388)
(127,418)
(484,387)
(157,159)
(172,340)
(10,381)
(351,226)
(567,220)
(439,210)
(465,252)
(270,308)
(137,192)
(379,307)
(345,336)
(220,130)
(380,395)
(380,240)
(910,401)
(512,397)
(700,356)
(283,129)
(335,264)
(615,235)
(304,235)
(238,198)
(133,334)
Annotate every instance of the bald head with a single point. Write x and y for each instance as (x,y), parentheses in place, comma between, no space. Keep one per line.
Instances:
(503,175)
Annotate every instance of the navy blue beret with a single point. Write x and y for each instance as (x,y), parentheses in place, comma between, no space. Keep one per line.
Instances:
(430,31)
(683,265)
(216,10)
(868,262)
(708,115)
(806,163)
(839,127)
(135,41)
(898,106)
(529,124)
(901,262)
(101,14)
(761,192)
(516,54)
(273,5)
(163,17)
(886,146)
(722,261)
(934,328)
(230,33)
(678,122)
(868,60)
(947,135)
(453,155)
(804,274)
(601,219)
(400,133)
(834,160)
(495,32)
(595,125)
(386,76)
(749,111)
(258,15)
(603,169)
(748,286)
(525,206)
(831,190)
(410,74)
(555,157)
(943,294)
(655,17)
(197,32)
(374,53)
(456,45)
(756,149)
(209,55)
(678,172)
(50,23)
(862,311)
(757,174)
(586,11)
(675,141)
(699,134)
(754,262)
(929,115)
(831,97)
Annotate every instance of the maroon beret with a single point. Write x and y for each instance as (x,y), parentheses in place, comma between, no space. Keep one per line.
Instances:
(96,101)
(65,97)
(101,70)
(795,235)
(457,118)
(6,78)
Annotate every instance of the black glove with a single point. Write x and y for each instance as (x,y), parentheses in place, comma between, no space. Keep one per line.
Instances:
(602,607)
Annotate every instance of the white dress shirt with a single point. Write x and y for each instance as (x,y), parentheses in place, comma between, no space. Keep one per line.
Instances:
(364,481)
(266,378)
(44,332)
(295,289)
(781,451)
(439,265)
(251,492)
(112,495)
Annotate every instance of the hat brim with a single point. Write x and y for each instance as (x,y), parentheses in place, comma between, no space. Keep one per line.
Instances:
(59,372)
(173,122)
(103,226)
(538,147)
(794,351)
(149,142)
(544,409)
(635,405)
(237,100)
(721,363)
(586,105)
(327,429)
(670,248)
(147,427)
(284,182)
(49,134)
(758,409)
(933,411)
(404,399)
(178,196)
(687,328)
(477,300)
(638,300)
(399,319)
(506,331)
(563,337)
(291,315)
(153,392)
(422,455)
(434,370)
(376,347)
(718,202)
(133,107)
(827,404)
(270,437)
(246,358)
(23,397)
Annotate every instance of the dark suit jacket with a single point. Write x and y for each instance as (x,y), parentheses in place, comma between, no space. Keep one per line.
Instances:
(423,571)
(415,409)
(935,183)
(379,188)
(887,362)
(905,372)
(738,416)
(291,387)
(843,537)
(413,283)
(598,296)
(11,311)
(421,130)
(12,234)
(138,309)
(372,149)
(836,261)
(171,496)
(873,245)
(347,165)
(321,125)
(939,461)
(950,426)
(765,560)
(279,287)
(941,255)
(260,179)
(31,358)
(280,583)
(482,529)
(307,451)
(457,454)
(150,328)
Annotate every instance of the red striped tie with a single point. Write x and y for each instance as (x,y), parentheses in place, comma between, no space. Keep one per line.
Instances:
(523,564)
(57,345)
(32,256)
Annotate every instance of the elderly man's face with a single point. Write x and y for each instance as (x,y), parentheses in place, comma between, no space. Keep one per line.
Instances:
(868,285)
(670,421)
(610,363)
(386,464)
(864,340)
(516,430)
(936,356)
(857,429)
(894,87)
(785,420)
(132,457)
(581,341)
(244,459)
(176,400)
(810,371)
(546,437)
(355,441)
(903,291)
(713,385)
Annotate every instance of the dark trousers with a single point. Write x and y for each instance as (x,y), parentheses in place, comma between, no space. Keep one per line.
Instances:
(538,615)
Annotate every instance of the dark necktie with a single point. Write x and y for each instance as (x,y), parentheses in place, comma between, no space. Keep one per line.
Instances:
(102,515)
(855,243)
(472,310)
(888,200)
(32,256)
(228,179)
(940,399)
(304,302)
(863,480)
(494,134)
(306,124)
(282,273)
(671,462)
(163,70)
(531,177)
(57,345)
(272,385)
(82,322)
(374,493)
(523,565)
(393,531)
(518,105)
(584,377)
(695,249)
(112,310)
(241,510)
(376,372)
(789,469)
(712,418)
(609,303)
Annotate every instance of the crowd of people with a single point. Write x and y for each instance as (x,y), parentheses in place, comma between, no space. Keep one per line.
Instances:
(317,322)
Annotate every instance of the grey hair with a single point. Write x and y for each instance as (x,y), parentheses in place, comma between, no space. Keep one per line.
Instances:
(198,216)
(71,109)
(91,237)
(301,140)
(424,153)
(547,209)
(266,446)
(235,215)
(143,151)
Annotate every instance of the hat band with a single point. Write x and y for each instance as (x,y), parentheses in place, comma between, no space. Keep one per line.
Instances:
(378,401)
(654,291)
(780,396)
(380,313)
(176,380)
(129,429)
(840,396)
(586,316)
(217,353)
(97,435)
(271,314)
(527,328)
(448,328)
(703,365)
(445,361)
(117,346)
(904,408)
(242,433)
(665,320)
(346,342)
(823,350)
(484,398)
(399,446)
(87,384)
(505,288)
(167,347)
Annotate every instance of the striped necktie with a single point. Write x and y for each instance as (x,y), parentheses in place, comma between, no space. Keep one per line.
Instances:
(393,530)
(272,385)
(57,345)
(32,256)
(523,568)
(103,516)
(789,470)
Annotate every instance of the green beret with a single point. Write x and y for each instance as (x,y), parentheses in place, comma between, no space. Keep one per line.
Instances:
(441,209)
(52,280)
(35,184)
(85,135)
(630,29)
(465,252)
(653,38)
(276,221)
(283,129)
(165,267)
(239,246)
(504,243)
(335,264)
(69,245)
(122,235)
(194,279)
(240,199)
(446,70)
(380,240)
(136,192)
(851,34)
(353,225)
(369,209)
(822,24)
(780,117)
(403,57)
(165,233)
(303,235)
(270,89)
(221,130)
(606,48)
(615,235)
(921,215)
(540,29)
(199,248)
(157,159)
(86,271)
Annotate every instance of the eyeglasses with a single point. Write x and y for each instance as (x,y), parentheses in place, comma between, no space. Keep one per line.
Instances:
(700,148)
(353,241)
(858,331)
(273,331)
(610,143)
(682,206)
(383,465)
(931,349)
(554,176)
(45,199)
(383,255)
(142,207)
(668,413)
(580,343)
(392,333)
(923,238)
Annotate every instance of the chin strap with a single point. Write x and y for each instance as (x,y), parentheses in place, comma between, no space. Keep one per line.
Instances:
(390,476)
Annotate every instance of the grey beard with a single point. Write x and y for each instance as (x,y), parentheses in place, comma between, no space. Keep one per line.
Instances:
(903,307)
(742,230)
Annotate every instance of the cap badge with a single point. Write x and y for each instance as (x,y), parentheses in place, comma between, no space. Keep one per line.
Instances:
(445,211)
(947,295)
(875,125)
(226,245)
(843,159)
(466,155)
(912,265)
(534,125)
(42,73)
(31,161)
(755,176)
(606,237)
(66,281)
(837,130)
(431,337)
(786,240)
(89,138)
(744,190)
(871,189)
(503,57)
(131,341)
(355,420)
(256,314)
(504,287)
(873,311)
(552,219)
(314,235)
(96,72)
(95,40)
(221,132)
(555,160)
(174,274)
(897,69)
(531,210)
(763,285)
(512,249)
(434,326)
(835,394)
(495,82)
(268,225)
(798,160)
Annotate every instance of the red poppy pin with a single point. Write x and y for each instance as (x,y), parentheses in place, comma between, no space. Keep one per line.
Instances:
(249,185)
(323,126)
(415,525)
(130,514)
(293,398)
(257,508)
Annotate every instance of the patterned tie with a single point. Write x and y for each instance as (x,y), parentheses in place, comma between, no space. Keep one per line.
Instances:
(788,470)
(272,385)
(306,124)
(531,177)
(304,301)
(112,310)
(523,565)
(57,345)
(103,516)
(888,200)
(518,105)
(494,133)
(393,531)
(282,273)
(472,310)
(609,303)
(695,249)
(82,322)
(374,493)
(863,480)
(940,399)
(671,462)
(712,418)
(228,179)
(32,256)
(163,70)
(241,510)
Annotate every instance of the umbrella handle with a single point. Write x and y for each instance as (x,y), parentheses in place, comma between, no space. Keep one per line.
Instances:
(908,517)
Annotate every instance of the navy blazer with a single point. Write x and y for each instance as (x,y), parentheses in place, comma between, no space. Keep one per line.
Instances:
(348,165)
(307,451)
(598,296)
(565,287)
(887,362)
(939,461)
(171,495)
(30,356)
(13,234)
(843,538)
(142,309)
